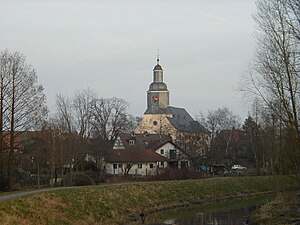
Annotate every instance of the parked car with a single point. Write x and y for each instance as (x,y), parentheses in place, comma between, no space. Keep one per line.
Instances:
(238,167)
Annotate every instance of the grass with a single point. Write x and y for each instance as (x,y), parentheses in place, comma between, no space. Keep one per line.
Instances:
(281,211)
(117,204)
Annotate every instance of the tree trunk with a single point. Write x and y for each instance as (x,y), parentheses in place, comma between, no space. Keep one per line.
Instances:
(11,166)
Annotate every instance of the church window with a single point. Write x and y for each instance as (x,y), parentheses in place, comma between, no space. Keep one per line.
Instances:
(154,123)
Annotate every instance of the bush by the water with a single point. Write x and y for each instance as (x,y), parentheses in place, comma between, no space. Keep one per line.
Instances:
(78,179)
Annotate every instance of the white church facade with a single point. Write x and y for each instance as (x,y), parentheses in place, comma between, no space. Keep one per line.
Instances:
(161,118)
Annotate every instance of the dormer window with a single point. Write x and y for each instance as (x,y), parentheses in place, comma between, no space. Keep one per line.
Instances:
(131,142)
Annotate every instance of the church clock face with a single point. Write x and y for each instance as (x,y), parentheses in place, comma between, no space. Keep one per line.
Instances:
(155,98)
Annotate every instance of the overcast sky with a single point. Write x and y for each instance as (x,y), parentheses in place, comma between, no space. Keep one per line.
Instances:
(111,47)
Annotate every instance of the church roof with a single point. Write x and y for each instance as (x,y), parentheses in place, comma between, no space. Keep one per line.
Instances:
(157,67)
(182,120)
(158,86)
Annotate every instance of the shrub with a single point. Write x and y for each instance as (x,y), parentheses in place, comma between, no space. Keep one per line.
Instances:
(78,179)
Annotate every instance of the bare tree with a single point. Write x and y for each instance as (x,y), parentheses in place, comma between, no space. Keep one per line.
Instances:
(253,133)
(110,117)
(22,103)
(274,73)
(82,108)
(92,123)
(219,119)
(64,115)
(5,82)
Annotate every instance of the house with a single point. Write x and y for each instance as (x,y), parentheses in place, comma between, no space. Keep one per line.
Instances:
(144,154)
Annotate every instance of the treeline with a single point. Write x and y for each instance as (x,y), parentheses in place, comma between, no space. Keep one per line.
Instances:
(270,136)
(272,84)
(33,144)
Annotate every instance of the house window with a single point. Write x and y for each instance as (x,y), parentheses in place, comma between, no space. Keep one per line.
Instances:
(183,164)
(151,166)
(140,166)
(115,166)
(120,165)
(162,164)
(162,151)
(131,142)
(172,154)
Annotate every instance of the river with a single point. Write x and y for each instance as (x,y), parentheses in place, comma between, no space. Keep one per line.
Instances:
(233,212)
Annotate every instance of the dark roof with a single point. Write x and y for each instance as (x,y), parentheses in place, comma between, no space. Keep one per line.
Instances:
(157,67)
(158,86)
(180,120)
(143,141)
(133,156)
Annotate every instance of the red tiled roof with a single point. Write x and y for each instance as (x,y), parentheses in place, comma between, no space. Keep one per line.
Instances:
(134,156)
(143,141)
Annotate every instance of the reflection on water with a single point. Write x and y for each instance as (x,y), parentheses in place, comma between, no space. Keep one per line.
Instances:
(225,213)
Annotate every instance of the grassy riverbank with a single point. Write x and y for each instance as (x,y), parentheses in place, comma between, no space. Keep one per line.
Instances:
(120,203)
(284,210)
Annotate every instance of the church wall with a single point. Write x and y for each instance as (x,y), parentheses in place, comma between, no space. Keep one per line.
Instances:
(163,99)
(156,124)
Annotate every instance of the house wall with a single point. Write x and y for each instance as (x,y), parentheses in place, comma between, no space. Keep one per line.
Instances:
(142,169)
(118,144)
(165,150)
(179,156)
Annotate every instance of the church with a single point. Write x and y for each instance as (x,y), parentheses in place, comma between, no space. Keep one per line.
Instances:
(161,118)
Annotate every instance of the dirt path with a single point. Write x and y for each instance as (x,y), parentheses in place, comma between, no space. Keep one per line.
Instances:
(21,194)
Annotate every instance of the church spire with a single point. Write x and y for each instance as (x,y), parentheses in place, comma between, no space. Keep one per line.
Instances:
(158,94)
(157,67)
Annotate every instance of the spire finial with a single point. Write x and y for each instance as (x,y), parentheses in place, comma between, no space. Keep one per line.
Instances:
(157,57)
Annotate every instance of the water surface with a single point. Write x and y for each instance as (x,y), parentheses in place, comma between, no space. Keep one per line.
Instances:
(233,212)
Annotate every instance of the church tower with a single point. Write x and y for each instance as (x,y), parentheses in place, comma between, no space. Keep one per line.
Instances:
(158,94)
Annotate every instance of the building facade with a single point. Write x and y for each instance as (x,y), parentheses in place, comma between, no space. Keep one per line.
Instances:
(161,118)
(144,154)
